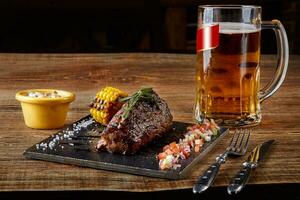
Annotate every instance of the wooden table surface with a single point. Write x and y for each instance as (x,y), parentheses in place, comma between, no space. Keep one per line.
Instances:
(172,76)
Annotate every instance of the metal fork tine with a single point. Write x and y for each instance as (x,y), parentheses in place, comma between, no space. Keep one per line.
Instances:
(246,142)
(232,139)
(236,141)
(242,139)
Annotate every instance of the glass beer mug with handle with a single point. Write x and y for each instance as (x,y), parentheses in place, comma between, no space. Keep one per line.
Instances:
(228,64)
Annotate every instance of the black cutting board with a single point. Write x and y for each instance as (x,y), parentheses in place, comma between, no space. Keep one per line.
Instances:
(142,163)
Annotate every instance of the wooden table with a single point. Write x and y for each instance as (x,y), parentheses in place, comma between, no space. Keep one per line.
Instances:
(172,76)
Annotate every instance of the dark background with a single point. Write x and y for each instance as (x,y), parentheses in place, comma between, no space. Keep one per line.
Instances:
(83,26)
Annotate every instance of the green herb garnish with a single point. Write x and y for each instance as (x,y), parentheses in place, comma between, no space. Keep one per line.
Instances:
(142,94)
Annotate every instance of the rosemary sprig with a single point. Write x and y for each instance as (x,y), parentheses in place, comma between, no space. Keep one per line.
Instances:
(143,93)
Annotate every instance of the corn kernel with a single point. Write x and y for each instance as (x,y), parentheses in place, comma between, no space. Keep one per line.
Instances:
(107,98)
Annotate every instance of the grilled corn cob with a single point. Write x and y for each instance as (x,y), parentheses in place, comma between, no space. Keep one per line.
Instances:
(106,104)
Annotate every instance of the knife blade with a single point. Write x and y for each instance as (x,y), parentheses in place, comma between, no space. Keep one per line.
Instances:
(257,155)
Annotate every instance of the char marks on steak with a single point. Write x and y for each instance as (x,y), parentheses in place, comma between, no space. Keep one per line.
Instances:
(146,121)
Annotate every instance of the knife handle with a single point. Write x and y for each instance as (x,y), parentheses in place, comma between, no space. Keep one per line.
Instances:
(207,178)
(239,180)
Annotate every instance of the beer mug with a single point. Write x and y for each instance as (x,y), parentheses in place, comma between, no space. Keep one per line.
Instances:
(228,64)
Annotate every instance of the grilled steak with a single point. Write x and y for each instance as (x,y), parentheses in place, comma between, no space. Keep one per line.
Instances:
(146,121)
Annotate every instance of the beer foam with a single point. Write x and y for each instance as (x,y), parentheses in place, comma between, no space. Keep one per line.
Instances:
(234,28)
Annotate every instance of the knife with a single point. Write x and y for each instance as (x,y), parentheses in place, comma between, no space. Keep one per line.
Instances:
(241,178)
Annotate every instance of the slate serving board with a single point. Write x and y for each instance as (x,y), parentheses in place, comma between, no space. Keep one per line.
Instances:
(81,152)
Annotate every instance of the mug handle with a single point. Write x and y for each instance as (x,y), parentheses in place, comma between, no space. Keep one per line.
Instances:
(282,58)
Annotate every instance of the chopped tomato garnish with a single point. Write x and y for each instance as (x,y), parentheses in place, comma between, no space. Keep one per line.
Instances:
(199,142)
(197,148)
(174,147)
(166,147)
(186,153)
(193,140)
(168,152)
(162,155)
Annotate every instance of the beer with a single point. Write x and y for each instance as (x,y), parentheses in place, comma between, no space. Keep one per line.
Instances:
(227,77)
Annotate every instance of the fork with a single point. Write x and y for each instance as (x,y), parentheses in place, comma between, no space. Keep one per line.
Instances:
(237,147)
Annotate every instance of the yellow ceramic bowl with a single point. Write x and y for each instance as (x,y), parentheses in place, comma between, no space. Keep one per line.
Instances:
(45,112)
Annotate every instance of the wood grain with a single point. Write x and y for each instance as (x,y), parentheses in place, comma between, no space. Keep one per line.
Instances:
(172,76)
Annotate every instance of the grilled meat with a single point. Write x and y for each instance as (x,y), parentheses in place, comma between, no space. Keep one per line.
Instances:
(146,121)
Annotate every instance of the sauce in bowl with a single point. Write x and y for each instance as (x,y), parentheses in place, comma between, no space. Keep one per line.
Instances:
(45,108)
(51,94)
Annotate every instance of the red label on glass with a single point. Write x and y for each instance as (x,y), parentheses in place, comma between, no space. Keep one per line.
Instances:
(207,37)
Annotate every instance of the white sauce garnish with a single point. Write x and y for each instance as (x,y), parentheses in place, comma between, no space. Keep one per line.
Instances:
(53,94)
